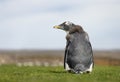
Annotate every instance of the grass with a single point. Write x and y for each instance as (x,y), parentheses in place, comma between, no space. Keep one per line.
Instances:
(12,73)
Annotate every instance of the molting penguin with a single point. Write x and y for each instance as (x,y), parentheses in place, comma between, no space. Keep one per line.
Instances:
(78,56)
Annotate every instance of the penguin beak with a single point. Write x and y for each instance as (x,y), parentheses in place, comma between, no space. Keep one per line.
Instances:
(57,27)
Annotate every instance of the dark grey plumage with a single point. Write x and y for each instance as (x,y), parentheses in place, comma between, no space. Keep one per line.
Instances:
(78,53)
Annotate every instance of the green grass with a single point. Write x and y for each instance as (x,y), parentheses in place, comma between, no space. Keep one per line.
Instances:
(12,73)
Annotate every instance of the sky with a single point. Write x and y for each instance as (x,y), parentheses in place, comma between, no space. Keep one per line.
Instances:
(28,24)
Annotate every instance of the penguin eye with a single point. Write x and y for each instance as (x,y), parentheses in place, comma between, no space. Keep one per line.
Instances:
(62,25)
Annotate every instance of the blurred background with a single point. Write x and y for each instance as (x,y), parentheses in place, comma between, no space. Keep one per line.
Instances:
(27,36)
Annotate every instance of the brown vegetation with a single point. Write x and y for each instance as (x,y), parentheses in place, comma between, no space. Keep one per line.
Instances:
(53,58)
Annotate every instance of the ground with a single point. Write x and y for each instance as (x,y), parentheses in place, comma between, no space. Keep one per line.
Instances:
(13,73)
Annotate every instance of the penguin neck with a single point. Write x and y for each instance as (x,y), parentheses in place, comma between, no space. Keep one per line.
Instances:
(67,32)
(67,35)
